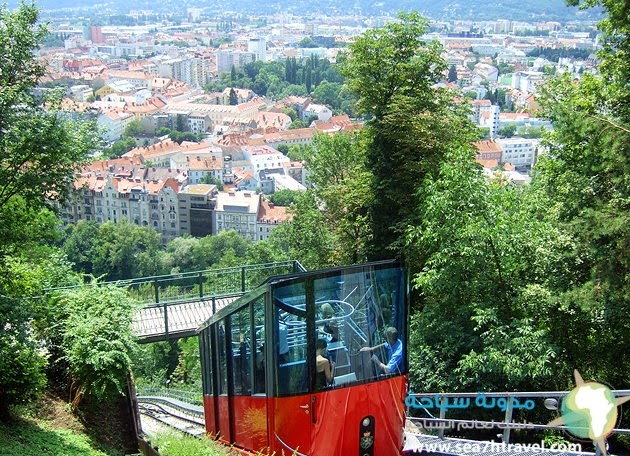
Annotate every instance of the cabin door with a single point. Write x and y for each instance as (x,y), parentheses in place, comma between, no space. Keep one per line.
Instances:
(293,406)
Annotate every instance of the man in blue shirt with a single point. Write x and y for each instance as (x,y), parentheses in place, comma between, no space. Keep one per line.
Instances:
(394,349)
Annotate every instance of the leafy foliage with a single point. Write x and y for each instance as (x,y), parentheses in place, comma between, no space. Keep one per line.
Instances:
(97,340)
(284,197)
(487,264)
(585,173)
(114,251)
(21,363)
(413,122)
(22,358)
(308,237)
(40,149)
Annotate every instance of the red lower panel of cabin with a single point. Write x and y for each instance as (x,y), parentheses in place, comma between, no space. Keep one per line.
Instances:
(359,420)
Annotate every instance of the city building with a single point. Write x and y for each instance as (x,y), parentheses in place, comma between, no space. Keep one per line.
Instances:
(237,211)
(196,209)
(520,152)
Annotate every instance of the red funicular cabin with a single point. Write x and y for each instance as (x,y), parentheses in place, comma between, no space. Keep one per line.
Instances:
(262,391)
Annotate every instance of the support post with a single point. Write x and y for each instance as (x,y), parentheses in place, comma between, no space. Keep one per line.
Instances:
(443,402)
(508,420)
(200,286)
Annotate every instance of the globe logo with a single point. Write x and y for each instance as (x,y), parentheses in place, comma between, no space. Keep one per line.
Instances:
(589,411)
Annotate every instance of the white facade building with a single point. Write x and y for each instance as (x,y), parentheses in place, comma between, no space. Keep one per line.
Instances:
(322,112)
(526,81)
(520,152)
(264,157)
(258,46)
(226,58)
(237,211)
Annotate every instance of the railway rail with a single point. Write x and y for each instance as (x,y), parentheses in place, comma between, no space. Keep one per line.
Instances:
(177,415)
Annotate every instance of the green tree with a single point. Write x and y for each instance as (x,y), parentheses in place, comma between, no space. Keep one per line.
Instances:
(308,237)
(114,251)
(179,137)
(307,42)
(585,172)
(284,197)
(505,68)
(531,132)
(290,112)
(119,148)
(180,253)
(211,180)
(80,240)
(293,90)
(284,148)
(188,370)
(40,149)
(212,249)
(297,124)
(133,129)
(488,263)
(328,93)
(412,121)
(508,130)
(97,340)
(337,171)
(386,61)
(298,152)
(22,375)
(233,97)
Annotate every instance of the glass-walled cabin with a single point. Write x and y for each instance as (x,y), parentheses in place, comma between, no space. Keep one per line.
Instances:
(259,355)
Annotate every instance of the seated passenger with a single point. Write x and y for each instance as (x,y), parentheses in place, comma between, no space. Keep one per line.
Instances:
(325,368)
(330,326)
(394,349)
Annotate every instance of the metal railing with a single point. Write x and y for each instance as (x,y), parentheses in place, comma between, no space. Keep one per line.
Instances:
(506,402)
(188,286)
(189,397)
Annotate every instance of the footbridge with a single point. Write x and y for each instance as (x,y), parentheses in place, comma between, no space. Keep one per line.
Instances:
(174,305)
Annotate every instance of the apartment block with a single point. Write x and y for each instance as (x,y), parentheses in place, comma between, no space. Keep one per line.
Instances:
(520,152)
(237,211)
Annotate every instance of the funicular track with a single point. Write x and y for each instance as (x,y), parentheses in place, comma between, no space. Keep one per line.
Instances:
(178,415)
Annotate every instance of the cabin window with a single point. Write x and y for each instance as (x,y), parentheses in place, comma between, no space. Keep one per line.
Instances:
(221,359)
(290,347)
(241,352)
(259,358)
(206,353)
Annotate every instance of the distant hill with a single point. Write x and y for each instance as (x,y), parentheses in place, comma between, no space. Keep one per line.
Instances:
(479,10)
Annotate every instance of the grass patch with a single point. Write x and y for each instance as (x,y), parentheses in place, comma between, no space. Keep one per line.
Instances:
(23,438)
(47,427)
(175,444)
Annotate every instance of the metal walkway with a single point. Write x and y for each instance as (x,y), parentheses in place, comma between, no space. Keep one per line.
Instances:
(173,320)
(174,305)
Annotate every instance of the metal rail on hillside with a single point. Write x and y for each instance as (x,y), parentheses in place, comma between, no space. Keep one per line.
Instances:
(187,286)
